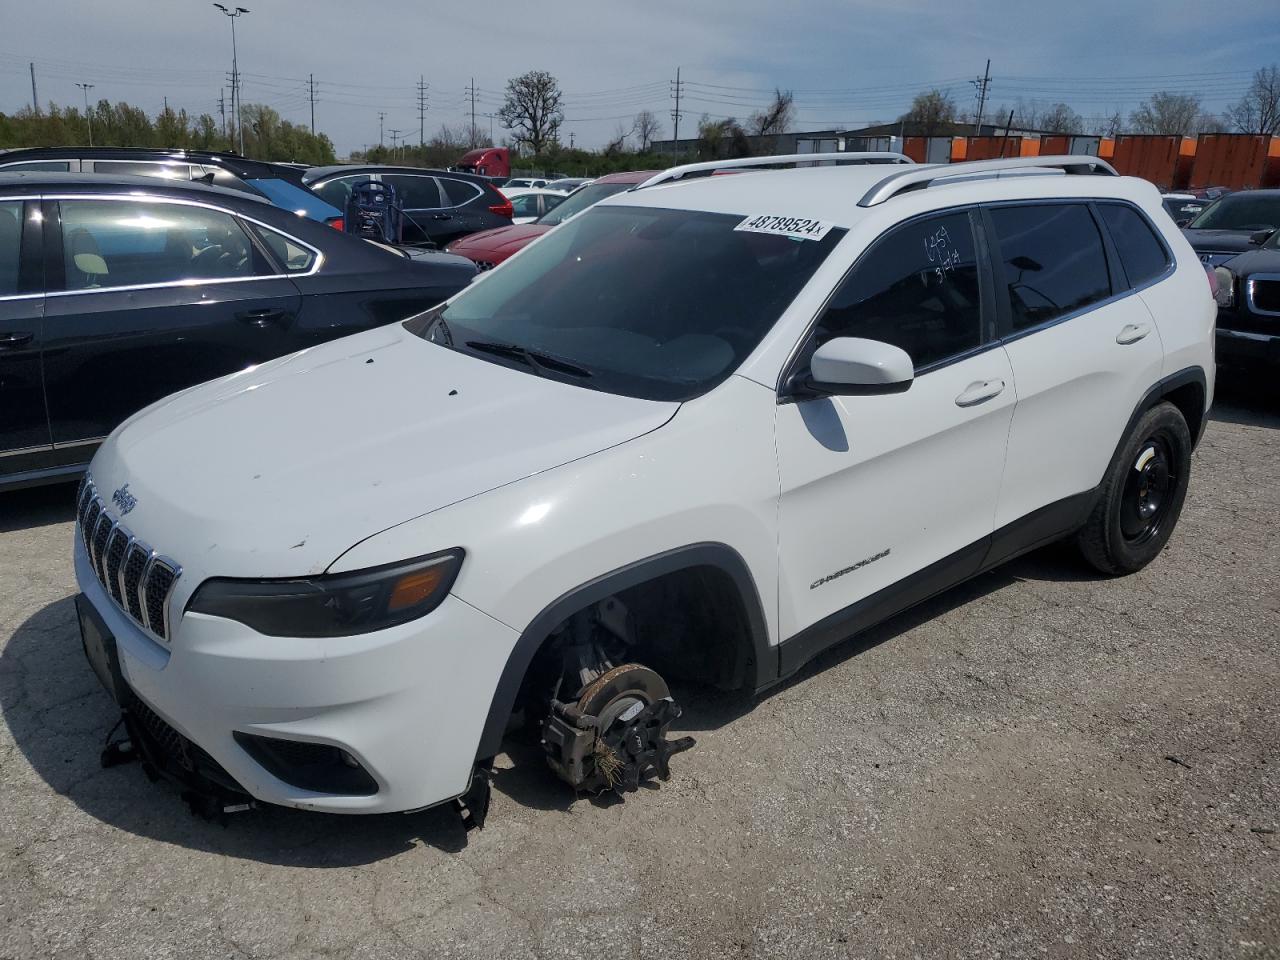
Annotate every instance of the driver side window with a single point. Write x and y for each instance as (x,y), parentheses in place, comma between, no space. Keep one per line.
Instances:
(916,288)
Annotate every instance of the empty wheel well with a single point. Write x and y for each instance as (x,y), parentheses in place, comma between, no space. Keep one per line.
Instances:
(1189,399)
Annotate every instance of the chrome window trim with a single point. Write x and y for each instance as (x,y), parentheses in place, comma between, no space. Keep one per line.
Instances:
(444,194)
(172,284)
(42,448)
(1248,293)
(69,444)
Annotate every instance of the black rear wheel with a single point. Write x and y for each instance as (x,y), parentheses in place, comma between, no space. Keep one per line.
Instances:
(1142,494)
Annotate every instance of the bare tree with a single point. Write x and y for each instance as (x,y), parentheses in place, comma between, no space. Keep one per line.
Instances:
(932,111)
(1167,113)
(647,129)
(532,110)
(774,119)
(619,142)
(1060,118)
(1259,110)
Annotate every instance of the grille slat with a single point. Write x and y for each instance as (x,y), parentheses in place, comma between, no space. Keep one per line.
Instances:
(138,580)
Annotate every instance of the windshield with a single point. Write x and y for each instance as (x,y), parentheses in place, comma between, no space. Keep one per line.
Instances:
(302,202)
(579,200)
(646,302)
(1182,208)
(1240,211)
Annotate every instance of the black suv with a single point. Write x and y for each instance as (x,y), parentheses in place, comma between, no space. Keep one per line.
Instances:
(1234,224)
(440,206)
(281,183)
(116,291)
(1249,307)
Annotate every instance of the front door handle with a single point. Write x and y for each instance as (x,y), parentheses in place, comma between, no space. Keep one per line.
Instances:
(1132,333)
(260,318)
(980,391)
(15,338)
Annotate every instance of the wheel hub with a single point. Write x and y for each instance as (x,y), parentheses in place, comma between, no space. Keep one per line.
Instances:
(1146,491)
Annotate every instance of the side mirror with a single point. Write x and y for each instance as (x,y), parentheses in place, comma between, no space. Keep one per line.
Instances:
(852,366)
(1260,237)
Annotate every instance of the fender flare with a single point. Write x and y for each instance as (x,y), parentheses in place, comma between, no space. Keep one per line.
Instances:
(1162,389)
(717,555)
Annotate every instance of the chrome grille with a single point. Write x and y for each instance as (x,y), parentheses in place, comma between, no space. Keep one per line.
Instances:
(138,579)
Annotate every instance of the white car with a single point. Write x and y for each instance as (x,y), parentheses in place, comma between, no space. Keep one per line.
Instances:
(567,184)
(523,183)
(702,431)
(528,205)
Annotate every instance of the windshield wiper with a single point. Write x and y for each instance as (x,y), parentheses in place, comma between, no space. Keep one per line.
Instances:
(534,359)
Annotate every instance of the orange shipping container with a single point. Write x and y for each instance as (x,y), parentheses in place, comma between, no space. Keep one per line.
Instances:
(1152,157)
(1234,160)
(991,148)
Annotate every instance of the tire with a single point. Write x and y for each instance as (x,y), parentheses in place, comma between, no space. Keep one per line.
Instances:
(1141,495)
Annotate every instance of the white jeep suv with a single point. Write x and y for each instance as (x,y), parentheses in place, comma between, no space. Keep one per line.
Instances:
(702,431)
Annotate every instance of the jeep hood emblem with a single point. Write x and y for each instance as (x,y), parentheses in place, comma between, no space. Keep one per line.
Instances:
(123,499)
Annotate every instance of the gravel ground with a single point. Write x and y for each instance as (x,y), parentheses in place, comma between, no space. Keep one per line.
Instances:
(1037,764)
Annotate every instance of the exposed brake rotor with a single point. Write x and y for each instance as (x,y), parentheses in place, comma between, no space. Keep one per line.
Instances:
(614,736)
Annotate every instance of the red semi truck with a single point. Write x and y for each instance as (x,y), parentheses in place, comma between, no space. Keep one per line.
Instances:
(487,161)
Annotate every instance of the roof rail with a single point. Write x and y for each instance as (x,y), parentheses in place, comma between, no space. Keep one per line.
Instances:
(923,176)
(710,167)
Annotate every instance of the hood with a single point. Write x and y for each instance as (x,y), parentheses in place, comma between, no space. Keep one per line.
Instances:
(497,245)
(278,470)
(1217,246)
(1257,260)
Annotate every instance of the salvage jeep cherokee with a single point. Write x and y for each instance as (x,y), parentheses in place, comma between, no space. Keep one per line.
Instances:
(703,431)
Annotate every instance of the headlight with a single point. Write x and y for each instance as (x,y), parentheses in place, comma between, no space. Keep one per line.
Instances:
(333,605)
(1226,295)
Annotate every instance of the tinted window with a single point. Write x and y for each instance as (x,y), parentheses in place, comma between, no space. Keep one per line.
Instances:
(414,192)
(293,256)
(10,245)
(336,192)
(121,243)
(1054,261)
(641,301)
(1141,253)
(458,192)
(582,199)
(917,288)
(44,166)
(1241,211)
(170,171)
(289,196)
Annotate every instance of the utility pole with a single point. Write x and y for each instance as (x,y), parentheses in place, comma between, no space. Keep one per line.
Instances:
(395,136)
(86,87)
(490,116)
(311,85)
(382,115)
(676,90)
(422,111)
(166,104)
(471,92)
(35,101)
(236,100)
(981,84)
(571,139)
(222,109)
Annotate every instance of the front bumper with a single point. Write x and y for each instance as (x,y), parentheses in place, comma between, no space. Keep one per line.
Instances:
(408,703)
(1241,347)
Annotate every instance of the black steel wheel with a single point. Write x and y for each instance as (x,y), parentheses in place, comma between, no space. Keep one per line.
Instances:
(1141,495)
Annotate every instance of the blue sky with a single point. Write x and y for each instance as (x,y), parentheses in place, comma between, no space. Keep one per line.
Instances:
(848,62)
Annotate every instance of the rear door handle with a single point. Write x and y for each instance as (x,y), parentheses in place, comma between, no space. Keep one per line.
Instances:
(980,391)
(15,339)
(260,318)
(1132,333)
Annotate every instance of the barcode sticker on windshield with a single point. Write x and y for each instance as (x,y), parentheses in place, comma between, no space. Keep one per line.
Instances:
(797,228)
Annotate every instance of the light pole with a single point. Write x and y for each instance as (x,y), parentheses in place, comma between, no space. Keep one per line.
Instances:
(235,71)
(86,87)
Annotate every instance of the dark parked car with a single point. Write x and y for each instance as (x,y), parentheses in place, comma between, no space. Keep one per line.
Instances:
(1249,306)
(281,183)
(116,291)
(440,206)
(1234,224)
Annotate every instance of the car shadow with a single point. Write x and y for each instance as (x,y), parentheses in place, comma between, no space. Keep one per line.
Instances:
(59,717)
(1247,397)
(37,507)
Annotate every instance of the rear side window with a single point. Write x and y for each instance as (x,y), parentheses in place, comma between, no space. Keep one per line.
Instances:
(1142,254)
(336,192)
(118,243)
(1053,258)
(414,192)
(10,245)
(43,166)
(917,288)
(169,171)
(290,254)
(525,206)
(458,192)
